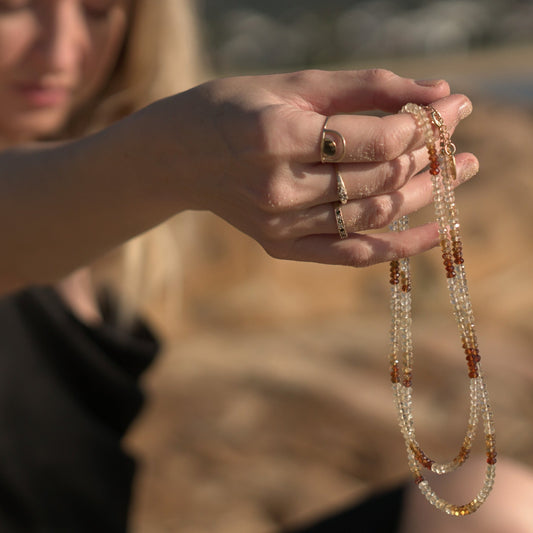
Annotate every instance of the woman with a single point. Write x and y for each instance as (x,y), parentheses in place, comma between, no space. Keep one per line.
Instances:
(72,73)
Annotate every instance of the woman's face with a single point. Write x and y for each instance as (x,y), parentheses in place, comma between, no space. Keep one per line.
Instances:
(54,55)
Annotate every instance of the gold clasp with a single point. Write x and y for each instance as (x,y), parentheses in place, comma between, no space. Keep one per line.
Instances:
(450,149)
(436,117)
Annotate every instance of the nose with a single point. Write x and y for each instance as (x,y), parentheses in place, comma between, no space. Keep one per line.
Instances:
(63,37)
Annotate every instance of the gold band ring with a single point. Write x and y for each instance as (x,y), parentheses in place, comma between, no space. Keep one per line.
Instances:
(342,193)
(332,145)
(341,228)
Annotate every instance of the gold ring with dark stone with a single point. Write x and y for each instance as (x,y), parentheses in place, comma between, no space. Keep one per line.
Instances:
(332,145)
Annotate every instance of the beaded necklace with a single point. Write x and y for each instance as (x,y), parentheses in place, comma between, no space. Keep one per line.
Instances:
(443,172)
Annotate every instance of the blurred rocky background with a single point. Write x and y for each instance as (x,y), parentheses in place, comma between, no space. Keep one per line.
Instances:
(252,35)
(271,404)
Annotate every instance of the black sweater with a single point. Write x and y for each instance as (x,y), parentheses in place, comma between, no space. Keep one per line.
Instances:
(68,392)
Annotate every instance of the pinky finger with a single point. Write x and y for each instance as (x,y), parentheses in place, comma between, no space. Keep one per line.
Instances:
(361,250)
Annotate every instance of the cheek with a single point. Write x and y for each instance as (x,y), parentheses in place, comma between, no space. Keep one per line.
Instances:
(106,43)
(14,41)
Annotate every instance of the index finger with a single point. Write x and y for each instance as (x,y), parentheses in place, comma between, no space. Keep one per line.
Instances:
(345,91)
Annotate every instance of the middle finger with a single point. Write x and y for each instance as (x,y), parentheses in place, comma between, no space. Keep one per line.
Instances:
(376,211)
(362,179)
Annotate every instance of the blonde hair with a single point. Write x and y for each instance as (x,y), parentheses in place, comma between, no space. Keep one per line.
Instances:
(161,56)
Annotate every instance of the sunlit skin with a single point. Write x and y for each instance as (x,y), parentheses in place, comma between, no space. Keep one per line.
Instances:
(246,149)
(54,55)
(255,135)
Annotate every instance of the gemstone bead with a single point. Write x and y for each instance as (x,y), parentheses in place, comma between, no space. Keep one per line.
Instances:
(329,148)
(442,171)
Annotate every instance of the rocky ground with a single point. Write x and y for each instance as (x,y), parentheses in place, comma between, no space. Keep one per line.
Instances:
(271,404)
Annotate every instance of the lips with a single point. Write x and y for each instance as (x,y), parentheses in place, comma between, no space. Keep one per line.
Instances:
(42,95)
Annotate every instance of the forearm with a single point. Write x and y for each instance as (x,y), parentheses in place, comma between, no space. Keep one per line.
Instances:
(63,206)
(247,149)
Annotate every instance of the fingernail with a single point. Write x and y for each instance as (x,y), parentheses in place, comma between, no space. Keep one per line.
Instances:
(465,109)
(428,83)
(470,170)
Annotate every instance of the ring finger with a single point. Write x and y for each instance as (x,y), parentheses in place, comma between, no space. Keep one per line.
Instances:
(362,179)
(380,210)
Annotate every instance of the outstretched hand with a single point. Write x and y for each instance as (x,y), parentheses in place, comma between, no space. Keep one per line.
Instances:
(250,153)
(248,149)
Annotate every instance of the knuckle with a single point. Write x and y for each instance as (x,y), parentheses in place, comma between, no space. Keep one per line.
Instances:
(402,250)
(275,197)
(376,76)
(359,256)
(386,144)
(381,212)
(377,148)
(307,78)
(397,172)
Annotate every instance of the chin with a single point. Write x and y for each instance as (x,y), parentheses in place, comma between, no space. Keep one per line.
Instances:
(28,127)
